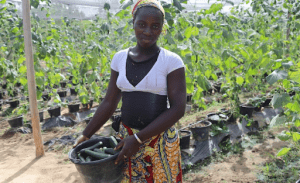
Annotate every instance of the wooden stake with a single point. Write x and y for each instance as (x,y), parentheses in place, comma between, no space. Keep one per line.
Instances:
(31,79)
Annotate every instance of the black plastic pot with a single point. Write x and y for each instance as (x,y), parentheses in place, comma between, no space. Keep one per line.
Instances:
(73,107)
(217,118)
(298,181)
(104,171)
(292,93)
(257,109)
(55,86)
(17,84)
(0,106)
(185,139)
(88,105)
(189,98)
(41,114)
(46,97)
(87,120)
(4,86)
(63,84)
(2,94)
(54,111)
(13,103)
(208,92)
(201,133)
(73,91)
(16,121)
(246,109)
(62,93)
(91,103)
(217,87)
(267,102)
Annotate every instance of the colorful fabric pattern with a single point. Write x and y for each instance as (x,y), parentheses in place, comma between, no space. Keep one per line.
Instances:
(142,3)
(157,161)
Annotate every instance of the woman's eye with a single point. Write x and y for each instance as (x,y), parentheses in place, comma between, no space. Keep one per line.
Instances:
(141,25)
(155,26)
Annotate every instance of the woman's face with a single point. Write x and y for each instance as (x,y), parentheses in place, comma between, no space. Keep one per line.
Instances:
(147,25)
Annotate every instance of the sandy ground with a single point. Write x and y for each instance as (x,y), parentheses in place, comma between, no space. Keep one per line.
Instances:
(19,165)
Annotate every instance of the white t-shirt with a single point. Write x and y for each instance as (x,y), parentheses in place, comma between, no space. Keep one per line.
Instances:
(156,80)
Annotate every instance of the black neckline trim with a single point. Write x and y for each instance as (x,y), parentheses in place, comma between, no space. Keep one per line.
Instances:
(144,60)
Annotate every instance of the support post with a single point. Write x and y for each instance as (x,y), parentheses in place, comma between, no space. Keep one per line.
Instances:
(31,79)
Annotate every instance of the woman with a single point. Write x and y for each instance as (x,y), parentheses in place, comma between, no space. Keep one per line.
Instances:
(146,76)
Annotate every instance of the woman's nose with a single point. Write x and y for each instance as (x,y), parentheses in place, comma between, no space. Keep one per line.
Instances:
(147,31)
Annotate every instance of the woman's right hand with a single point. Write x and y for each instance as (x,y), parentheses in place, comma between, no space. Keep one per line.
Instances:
(80,139)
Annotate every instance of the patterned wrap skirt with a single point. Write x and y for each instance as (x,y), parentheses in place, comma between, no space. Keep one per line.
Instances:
(158,159)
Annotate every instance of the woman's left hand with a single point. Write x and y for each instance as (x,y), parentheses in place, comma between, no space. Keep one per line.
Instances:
(130,147)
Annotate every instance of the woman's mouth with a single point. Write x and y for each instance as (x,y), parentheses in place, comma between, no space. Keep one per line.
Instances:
(146,40)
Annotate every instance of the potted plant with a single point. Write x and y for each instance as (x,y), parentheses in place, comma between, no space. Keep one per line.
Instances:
(63,84)
(62,93)
(11,91)
(200,130)
(185,136)
(85,98)
(74,90)
(73,106)
(257,102)
(54,109)
(13,102)
(16,118)
(217,118)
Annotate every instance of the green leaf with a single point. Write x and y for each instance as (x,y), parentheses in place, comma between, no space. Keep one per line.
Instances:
(283,151)
(23,81)
(214,8)
(276,121)
(3,1)
(39,94)
(170,39)
(295,76)
(279,100)
(239,80)
(295,106)
(23,69)
(227,35)
(15,30)
(84,99)
(287,65)
(106,6)
(207,23)
(39,81)
(177,4)
(296,136)
(188,32)
(230,2)
(297,123)
(21,59)
(128,4)
(276,75)
(283,136)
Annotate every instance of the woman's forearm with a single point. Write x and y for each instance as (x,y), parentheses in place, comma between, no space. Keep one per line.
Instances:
(162,123)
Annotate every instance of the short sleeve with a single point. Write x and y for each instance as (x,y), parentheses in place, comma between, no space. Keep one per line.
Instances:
(174,63)
(114,63)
